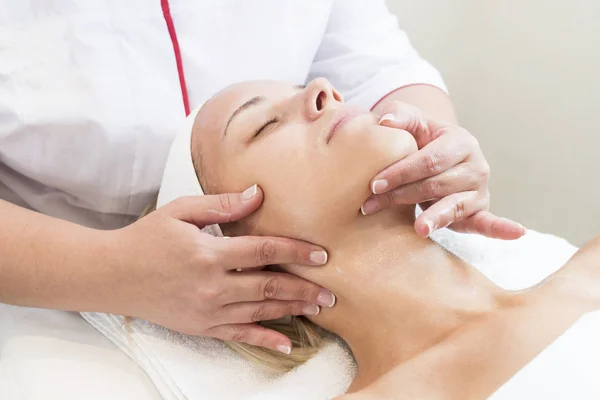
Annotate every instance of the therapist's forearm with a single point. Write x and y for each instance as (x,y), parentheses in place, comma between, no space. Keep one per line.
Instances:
(46,262)
(433,101)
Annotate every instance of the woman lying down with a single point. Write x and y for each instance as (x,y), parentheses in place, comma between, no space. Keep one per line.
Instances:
(420,322)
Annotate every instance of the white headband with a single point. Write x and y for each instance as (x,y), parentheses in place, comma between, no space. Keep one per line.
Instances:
(179,177)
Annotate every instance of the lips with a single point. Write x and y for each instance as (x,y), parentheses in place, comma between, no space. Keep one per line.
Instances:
(340,119)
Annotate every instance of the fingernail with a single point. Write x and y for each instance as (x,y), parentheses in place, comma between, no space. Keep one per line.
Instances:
(370,206)
(430,228)
(313,309)
(318,257)
(326,299)
(250,192)
(284,349)
(520,227)
(514,223)
(379,186)
(387,117)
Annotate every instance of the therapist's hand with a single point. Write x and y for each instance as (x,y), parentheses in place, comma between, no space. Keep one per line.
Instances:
(447,177)
(176,276)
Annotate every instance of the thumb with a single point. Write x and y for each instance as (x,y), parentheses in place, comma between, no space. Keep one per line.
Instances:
(407,117)
(215,209)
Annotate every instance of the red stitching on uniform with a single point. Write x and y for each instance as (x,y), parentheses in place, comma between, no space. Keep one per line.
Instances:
(171,27)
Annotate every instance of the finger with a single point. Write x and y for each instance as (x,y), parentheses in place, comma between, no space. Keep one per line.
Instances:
(405,116)
(265,285)
(458,179)
(435,158)
(215,209)
(252,334)
(490,225)
(237,313)
(255,251)
(448,210)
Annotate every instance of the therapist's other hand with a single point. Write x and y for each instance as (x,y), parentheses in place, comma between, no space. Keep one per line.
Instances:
(176,276)
(448,177)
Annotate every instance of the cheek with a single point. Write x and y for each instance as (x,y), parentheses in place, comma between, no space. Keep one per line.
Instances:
(275,163)
(307,188)
(286,168)
(295,201)
(370,150)
(300,197)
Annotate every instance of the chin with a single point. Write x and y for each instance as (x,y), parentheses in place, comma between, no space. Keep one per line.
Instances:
(393,144)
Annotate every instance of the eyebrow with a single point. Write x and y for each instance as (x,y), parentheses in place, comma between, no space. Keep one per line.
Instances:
(253,101)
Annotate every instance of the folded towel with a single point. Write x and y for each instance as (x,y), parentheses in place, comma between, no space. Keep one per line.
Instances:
(188,367)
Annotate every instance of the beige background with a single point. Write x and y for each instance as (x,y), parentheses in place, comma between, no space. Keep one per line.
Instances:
(525,78)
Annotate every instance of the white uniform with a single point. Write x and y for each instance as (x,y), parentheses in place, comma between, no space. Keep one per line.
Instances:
(90,97)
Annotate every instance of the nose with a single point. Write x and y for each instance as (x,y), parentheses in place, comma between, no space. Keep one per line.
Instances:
(320,95)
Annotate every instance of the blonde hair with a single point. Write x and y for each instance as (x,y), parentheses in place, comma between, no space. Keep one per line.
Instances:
(307,338)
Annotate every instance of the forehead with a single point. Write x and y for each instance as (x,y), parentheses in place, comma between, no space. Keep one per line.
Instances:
(235,95)
(213,116)
(215,113)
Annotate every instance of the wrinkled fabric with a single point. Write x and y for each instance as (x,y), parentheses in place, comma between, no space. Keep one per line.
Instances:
(90,98)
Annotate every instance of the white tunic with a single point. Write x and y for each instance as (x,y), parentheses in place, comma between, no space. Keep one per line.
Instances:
(90,97)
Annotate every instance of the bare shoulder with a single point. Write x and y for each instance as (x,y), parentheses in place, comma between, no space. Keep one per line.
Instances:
(589,254)
(579,279)
(477,359)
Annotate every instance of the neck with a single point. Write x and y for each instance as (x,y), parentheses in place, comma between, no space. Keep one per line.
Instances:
(398,295)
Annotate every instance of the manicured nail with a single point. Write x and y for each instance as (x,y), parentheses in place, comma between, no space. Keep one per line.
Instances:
(284,349)
(370,206)
(250,192)
(520,228)
(387,117)
(379,186)
(326,299)
(318,257)
(430,228)
(313,309)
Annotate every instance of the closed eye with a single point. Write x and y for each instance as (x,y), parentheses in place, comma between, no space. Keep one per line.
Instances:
(264,126)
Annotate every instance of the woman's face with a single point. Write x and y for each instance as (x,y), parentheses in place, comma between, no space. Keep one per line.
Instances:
(313,155)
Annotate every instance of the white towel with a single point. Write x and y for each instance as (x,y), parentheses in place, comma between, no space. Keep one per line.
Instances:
(186,367)
(49,354)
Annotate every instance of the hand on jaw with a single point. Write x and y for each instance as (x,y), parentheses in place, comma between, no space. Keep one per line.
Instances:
(448,177)
(198,284)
